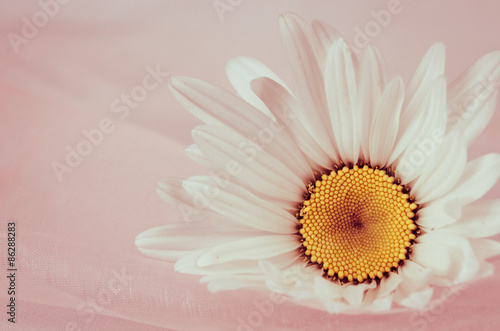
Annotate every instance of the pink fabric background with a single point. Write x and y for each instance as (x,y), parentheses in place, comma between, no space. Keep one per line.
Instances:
(78,267)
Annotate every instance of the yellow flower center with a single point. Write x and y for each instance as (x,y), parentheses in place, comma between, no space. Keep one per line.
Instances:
(357,224)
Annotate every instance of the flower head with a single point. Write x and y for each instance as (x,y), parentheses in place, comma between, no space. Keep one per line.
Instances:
(349,192)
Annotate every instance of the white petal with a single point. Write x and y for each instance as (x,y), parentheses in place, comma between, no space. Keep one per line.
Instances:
(414,277)
(217,283)
(429,135)
(425,92)
(354,294)
(439,213)
(277,139)
(485,110)
(372,82)
(195,154)
(298,275)
(483,71)
(479,219)
(380,298)
(216,106)
(172,241)
(443,171)
(485,248)
(472,97)
(418,299)
(284,108)
(379,305)
(477,179)
(342,93)
(255,248)
(189,264)
(388,285)
(433,256)
(324,288)
(247,163)
(323,37)
(308,80)
(241,71)
(239,205)
(385,123)
(451,257)
(415,114)
(431,66)
(269,269)
(336,307)
(171,190)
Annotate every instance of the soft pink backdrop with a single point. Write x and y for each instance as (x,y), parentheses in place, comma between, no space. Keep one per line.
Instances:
(76,237)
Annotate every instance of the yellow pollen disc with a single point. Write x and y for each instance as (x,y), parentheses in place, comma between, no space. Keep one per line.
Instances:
(358,224)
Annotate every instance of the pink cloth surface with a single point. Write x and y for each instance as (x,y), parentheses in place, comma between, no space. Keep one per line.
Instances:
(78,268)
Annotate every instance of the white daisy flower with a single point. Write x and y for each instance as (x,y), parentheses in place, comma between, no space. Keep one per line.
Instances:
(346,193)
